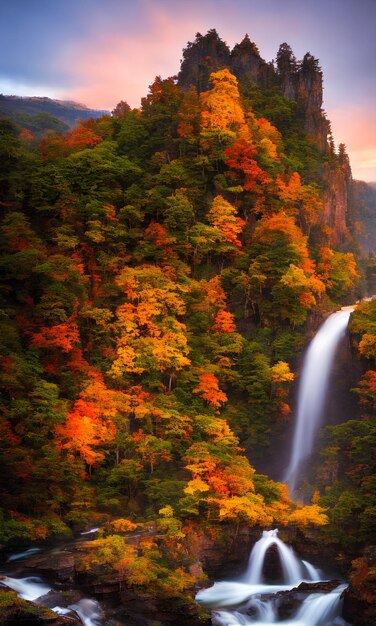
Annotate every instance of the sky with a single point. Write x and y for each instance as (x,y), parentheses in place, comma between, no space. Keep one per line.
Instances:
(99,52)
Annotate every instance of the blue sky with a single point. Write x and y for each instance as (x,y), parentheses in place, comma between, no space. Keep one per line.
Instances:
(102,51)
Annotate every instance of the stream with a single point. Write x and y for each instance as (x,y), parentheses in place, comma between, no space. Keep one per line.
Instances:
(33,587)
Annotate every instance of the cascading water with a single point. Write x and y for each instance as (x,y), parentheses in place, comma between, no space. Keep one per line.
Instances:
(29,588)
(312,391)
(316,610)
(32,588)
(292,566)
(249,600)
(254,602)
(294,571)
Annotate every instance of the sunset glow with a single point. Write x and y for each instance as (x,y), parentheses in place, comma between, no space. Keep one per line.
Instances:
(99,54)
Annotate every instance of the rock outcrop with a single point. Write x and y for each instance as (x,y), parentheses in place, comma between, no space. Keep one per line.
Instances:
(338,196)
(205,55)
(246,60)
(300,81)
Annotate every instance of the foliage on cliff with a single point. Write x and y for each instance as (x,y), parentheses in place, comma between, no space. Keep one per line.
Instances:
(348,467)
(158,268)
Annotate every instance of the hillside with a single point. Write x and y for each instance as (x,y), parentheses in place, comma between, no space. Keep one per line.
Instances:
(38,115)
(162,270)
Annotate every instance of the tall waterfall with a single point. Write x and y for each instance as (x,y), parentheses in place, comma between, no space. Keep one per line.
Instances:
(251,600)
(313,389)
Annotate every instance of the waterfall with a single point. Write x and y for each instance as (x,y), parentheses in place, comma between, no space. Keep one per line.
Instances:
(313,389)
(291,565)
(255,603)
(23,555)
(320,608)
(251,600)
(89,611)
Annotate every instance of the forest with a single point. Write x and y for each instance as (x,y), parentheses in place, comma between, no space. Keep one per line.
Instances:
(162,270)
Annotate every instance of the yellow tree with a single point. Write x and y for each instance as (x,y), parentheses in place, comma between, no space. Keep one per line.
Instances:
(222,115)
(148,334)
(222,215)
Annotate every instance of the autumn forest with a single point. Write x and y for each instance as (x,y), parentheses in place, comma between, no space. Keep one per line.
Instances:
(162,271)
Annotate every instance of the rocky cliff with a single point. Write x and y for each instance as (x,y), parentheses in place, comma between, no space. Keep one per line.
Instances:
(299,81)
(338,196)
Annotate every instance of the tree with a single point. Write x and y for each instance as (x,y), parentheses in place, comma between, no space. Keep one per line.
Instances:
(224,322)
(286,61)
(222,116)
(121,110)
(90,424)
(149,337)
(339,271)
(222,215)
(189,117)
(240,158)
(209,390)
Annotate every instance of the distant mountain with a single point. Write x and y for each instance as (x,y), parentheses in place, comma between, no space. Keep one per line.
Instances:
(365,205)
(39,114)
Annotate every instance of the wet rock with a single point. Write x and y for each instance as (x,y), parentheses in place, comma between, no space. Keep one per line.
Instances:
(359,609)
(58,564)
(59,598)
(289,601)
(15,611)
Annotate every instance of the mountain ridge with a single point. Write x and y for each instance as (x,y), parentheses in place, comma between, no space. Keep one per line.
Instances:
(40,113)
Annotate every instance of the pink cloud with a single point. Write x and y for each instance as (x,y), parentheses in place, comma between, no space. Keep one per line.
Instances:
(117,63)
(115,66)
(355,126)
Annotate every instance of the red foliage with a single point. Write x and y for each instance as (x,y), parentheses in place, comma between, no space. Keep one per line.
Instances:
(157,233)
(81,137)
(7,435)
(240,157)
(224,322)
(63,336)
(209,390)
(90,422)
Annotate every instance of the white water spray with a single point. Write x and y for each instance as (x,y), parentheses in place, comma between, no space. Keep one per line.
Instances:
(89,611)
(316,610)
(313,389)
(252,584)
(23,555)
(29,588)
(33,587)
(292,566)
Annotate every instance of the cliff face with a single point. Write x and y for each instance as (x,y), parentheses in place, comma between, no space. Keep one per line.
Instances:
(337,198)
(206,55)
(245,59)
(301,82)
(365,215)
(304,84)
